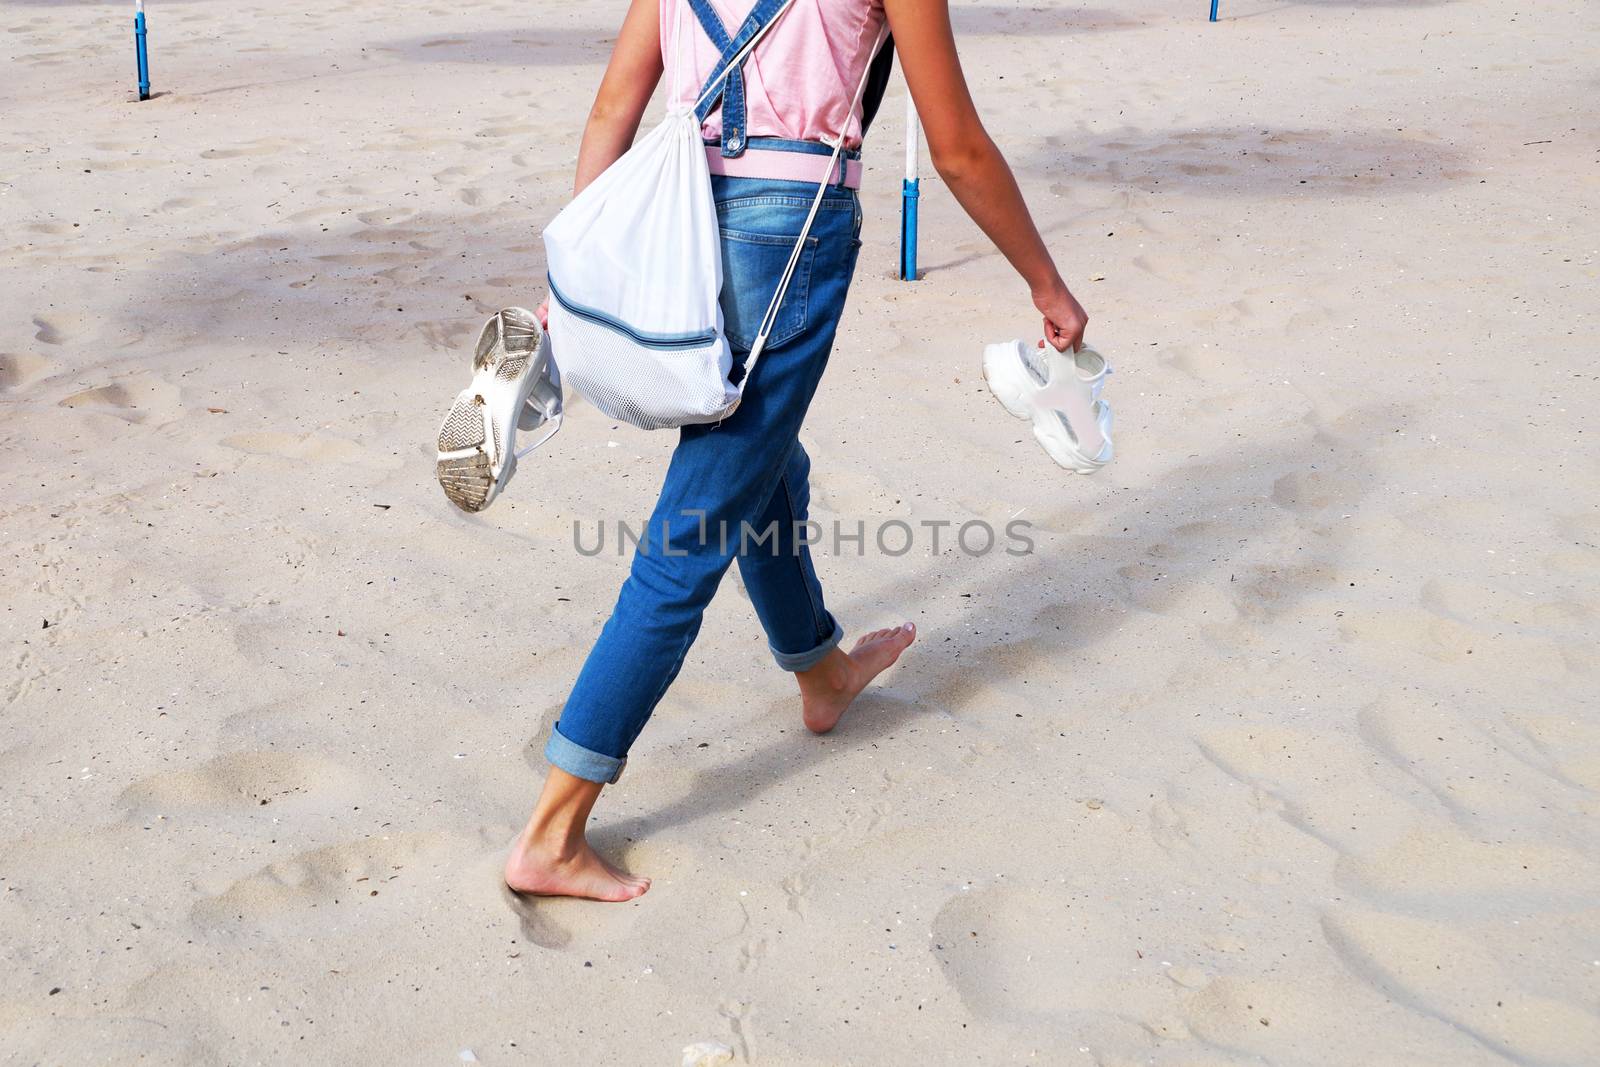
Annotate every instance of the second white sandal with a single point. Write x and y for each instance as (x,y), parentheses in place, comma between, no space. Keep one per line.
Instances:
(1059,392)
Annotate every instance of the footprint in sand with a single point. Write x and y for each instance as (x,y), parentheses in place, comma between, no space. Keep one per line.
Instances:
(70,328)
(1493,778)
(1033,958)
(53,229)
(246,782)
(388,217)
(1571,746)
(50,331)
(446,336)
(138,398)
(1418,631)
(264,146)
(1316,784)
(1444,973)
(797,891)
(1421,810)
(846,490)
(1436,868)
(1262,593)
(309,447)
(1309,492)
(1275,1020)
(351,874)
(102,163)
(1169,825)
(18,371)
(310,214)
(519,129)
(451,175)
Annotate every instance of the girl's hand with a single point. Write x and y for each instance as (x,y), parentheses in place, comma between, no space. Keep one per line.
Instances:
(543,313)
(1064,318)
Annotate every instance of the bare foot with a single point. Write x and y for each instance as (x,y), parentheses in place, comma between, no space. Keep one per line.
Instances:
(577,871)
(827,689)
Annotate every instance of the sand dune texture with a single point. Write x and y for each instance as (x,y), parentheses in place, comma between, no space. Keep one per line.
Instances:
(1282,748)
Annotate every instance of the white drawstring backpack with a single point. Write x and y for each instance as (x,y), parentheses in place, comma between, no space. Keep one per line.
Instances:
(635,269)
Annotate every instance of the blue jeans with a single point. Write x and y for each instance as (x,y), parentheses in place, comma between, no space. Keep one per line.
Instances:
(735,490)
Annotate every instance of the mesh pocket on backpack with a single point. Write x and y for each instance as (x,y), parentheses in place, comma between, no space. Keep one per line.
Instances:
(649,386)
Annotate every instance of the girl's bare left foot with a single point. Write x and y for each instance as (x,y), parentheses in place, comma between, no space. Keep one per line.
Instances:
(552,857)
(575,871)
(827,689)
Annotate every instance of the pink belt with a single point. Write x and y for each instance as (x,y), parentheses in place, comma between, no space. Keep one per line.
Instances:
(775,163)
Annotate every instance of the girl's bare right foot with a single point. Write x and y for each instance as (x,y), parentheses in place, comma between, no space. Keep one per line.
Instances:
(827,689)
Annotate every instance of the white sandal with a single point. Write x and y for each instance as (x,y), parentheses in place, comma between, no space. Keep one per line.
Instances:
(1059,392)
(515,386)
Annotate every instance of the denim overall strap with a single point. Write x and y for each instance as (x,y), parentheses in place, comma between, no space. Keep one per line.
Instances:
(731,92)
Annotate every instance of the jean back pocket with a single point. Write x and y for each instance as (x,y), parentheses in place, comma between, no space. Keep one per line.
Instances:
(752,267)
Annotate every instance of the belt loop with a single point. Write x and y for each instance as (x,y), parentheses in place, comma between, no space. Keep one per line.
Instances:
(836,142)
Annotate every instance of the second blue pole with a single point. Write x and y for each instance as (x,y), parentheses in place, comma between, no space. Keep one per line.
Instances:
(908,229)
(141,49)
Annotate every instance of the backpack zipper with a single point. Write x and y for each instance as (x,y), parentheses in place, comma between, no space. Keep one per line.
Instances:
(600,318)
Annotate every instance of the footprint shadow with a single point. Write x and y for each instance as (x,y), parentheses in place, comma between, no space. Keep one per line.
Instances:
(732,785)
(1248,161)
(979,20)
(537,927)
(412,282)
(550,46)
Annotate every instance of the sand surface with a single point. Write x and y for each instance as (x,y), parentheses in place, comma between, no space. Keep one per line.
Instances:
(1282,748)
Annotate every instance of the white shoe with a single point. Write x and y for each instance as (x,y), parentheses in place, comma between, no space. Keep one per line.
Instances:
(515,385)
(1059,392)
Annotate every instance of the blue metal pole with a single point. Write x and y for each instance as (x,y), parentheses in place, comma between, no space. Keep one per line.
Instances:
(908,193)
(1213,10)
(908,229)
(141,50)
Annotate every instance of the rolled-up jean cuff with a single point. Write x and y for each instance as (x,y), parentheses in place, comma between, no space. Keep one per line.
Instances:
(804,661)
(582,762)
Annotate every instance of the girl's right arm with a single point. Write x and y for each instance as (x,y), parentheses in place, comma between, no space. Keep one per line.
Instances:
(619,103)
(624,92)
(968,161)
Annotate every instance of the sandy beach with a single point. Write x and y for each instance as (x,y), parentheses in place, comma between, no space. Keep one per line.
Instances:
(1282,746)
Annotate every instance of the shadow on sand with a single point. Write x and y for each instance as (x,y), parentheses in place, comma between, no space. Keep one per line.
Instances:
(978,20)
(1192,528)
(550,46)
(1249,161)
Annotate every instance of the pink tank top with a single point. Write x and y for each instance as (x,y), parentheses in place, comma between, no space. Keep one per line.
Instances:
(801,75)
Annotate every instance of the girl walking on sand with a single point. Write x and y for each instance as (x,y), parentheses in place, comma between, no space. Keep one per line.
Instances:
(764,126)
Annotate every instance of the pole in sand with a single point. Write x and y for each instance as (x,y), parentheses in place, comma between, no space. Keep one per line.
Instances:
(140,50)
(908,195)
(1213,10)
